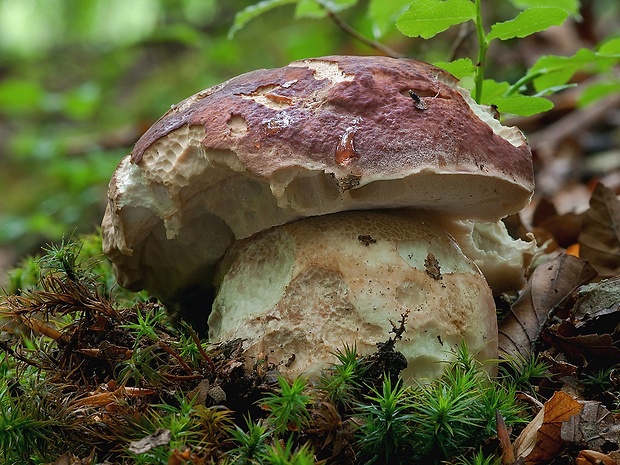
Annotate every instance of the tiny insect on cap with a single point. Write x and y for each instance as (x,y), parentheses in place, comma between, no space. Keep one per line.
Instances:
(316,137)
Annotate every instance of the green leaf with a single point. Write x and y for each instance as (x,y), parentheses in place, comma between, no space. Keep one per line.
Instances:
(528,22)
(552,70)
(522,105)
(554,90)
(459,68)
(610,48)
(492,90)
(383,14)
(338,5)
(253,11)
(318,8)
(427,18)
(597,91)
(572,6)
(309,9)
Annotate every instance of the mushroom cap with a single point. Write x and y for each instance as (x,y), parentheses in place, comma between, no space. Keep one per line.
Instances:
(318,136)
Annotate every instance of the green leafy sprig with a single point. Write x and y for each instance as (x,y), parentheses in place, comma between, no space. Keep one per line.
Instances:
(428,18)
(288,409)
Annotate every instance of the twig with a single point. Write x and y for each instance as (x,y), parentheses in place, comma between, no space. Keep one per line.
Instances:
(464,31)
(205,356)
(362,38)
(4,346)
(184,364)
(400,329)
(183,378)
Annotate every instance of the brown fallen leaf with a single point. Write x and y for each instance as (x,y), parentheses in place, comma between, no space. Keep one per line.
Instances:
(592,457)
(594,428)
(160,437)
(599,241)
(106,397)
(548,286)
(186,457)
(565,228)
(508,453)
(541,439)
(597,300)
(589,348)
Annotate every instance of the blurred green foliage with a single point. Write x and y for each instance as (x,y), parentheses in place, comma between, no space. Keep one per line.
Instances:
(81,80)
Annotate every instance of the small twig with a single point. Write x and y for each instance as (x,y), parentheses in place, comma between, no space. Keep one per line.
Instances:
(182,377)
(208,359)
(399,329)
(362,38)
(4,346)
(464,31)
(183,363)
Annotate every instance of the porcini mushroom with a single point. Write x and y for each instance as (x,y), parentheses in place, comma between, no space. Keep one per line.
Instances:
(325,191)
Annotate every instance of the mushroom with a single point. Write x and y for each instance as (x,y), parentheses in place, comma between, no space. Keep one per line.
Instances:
(320,201)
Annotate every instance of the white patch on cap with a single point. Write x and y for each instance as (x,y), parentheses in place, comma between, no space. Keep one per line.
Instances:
(324,70)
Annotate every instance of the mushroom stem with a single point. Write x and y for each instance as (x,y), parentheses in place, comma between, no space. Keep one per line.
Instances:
(297,293)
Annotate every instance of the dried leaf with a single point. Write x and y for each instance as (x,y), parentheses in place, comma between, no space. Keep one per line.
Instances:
(508,453)
(597,300)
(597,348)
(547,287)
(199,394)
(591,457)
(565,228)
(101,398)
(600,232)
(543,211)
(42,328)
(541,439)
(160,437)
(594,428)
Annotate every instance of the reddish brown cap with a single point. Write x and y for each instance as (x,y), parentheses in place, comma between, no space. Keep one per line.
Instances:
(316,137)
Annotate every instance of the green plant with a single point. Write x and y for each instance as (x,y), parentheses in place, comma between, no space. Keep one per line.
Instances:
(521,371)
(341,381)
(62,257)
(448,413)
(253,448)
(599,379)
(251,445)
(427,18)
(146,324)
(129,370)
(478,459)
(78,259)
(285,454)
(215,426)
(501,398)
(191,348)
(288,409)
(438,419)
(23,432)
(142,368)
(191,427)
(459,409)
(386,429)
